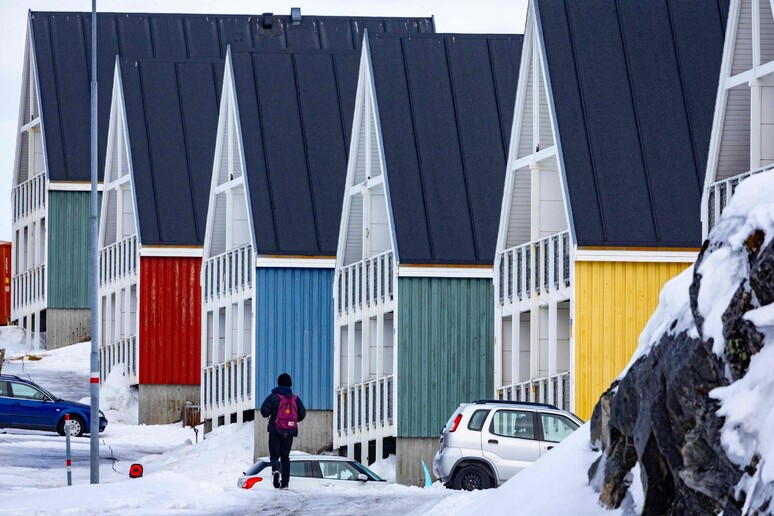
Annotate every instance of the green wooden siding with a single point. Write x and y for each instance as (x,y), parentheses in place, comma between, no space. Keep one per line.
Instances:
(445,349)
(68,249)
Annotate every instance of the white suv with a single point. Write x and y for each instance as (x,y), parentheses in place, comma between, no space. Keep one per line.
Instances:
(488,441)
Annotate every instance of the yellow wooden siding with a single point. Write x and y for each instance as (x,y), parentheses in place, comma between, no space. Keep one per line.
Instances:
(613,302)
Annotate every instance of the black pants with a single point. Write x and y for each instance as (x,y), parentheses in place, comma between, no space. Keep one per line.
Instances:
(279,453)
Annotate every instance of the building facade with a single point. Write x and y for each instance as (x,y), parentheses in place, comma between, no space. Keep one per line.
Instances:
(412,287)
(279,168)
(593,220)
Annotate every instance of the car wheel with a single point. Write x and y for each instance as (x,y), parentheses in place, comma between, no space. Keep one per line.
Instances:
(77,426)
(471,478)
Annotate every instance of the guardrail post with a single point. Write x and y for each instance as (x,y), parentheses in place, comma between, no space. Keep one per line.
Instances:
(68,452)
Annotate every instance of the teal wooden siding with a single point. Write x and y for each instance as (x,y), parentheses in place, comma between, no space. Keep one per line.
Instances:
(445,349)
(68,249)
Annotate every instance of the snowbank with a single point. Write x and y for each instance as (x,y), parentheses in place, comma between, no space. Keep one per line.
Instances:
(12,340)
(384,468)
(117,399)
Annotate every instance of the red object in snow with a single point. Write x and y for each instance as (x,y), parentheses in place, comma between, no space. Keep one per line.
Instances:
(170,320)
(5,283)
(135,471)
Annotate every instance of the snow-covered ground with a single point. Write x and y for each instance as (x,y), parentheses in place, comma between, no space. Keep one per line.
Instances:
(180,476)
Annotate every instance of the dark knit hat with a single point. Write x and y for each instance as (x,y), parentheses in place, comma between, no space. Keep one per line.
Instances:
(284,380)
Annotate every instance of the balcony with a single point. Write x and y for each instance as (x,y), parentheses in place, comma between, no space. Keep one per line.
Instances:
(29,197)
(554,389)
(365,407)
(121,353)
(118,261)
(28,289)
(720,192)
(228,274)
(535,268)
(366,283)
(227,387)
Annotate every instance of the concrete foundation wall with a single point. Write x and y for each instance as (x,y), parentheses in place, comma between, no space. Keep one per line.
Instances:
(163,404)
(411,451)
(314,432)
(66,326)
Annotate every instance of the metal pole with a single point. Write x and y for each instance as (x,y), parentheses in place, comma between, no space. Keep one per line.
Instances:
(69,454)
(94,419)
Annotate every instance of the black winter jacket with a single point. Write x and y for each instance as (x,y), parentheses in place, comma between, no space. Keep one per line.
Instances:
(270,407)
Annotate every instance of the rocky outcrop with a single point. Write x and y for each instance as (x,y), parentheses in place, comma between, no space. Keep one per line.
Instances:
(660,414)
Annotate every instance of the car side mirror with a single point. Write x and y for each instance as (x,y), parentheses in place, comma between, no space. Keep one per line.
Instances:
(362,477)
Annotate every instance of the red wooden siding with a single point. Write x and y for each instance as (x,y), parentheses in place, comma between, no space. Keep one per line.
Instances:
(170,321)
(5,282)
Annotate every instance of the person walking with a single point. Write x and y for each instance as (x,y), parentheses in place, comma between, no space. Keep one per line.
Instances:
(284,410)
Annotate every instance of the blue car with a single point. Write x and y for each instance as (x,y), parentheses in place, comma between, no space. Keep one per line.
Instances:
(24,404)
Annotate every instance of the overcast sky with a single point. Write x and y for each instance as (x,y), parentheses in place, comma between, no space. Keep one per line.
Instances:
(503,16)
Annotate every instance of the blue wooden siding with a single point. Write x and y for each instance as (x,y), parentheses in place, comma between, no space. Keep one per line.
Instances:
(294,333)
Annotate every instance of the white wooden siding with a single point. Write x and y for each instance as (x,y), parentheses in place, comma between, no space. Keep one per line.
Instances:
(546,136)
(525,132)
(552,218)
(734,157)
(767,32)
(743,52)
(519,216)
(354,248)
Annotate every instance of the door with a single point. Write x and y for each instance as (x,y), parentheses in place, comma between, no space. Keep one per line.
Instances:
(303,475)
(339,473)
(31,408)
(510,442)
(6,402)
(555,429)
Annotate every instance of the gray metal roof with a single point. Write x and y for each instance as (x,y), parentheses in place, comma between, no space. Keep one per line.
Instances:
(446,107)
(634,86)
(63,52)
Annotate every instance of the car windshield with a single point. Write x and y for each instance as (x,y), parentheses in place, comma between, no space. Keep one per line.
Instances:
(256,468)
(49,393)
(368,472)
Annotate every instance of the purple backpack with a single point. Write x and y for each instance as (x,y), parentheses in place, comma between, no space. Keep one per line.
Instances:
(287,415)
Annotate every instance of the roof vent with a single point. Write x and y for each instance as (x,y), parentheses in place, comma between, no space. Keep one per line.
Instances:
(268,20)
(295,15)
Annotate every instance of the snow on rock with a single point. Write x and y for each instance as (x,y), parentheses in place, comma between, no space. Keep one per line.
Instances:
(384,468)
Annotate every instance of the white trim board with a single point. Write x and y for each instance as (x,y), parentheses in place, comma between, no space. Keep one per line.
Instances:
(588,255)
(80,186)
(444,272)
(171,252)
(290,262)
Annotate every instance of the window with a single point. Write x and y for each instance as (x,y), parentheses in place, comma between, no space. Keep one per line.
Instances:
(477,420)
(301,469)
(338,470)
(513,423)
(556,428)
(4,391)
(27,392)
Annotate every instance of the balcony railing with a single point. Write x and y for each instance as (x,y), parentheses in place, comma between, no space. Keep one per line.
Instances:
(368,281)
(118,260)
(228,273)
(720,192)
(28,289)
(29,197)
(537,267)
(121,353)
(553,389)
(227,387)
(365,406)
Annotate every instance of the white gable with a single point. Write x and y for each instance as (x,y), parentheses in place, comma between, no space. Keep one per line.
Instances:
(30,156)
(229,223)
(119,208)
(743,128)
(533,197)
(366,222)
